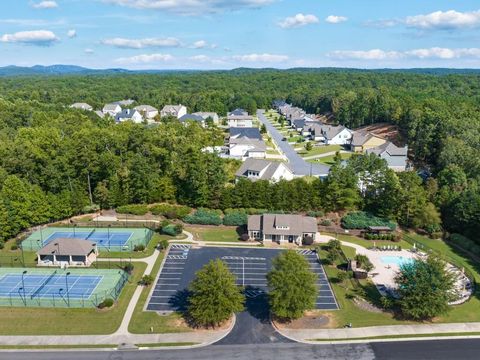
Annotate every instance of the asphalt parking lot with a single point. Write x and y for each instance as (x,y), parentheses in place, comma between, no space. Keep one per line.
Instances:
(249,265)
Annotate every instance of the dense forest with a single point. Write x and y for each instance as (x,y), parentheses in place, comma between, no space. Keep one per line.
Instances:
(55,161)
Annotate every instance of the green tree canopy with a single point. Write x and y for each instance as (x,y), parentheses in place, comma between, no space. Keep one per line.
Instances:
(214,295)
(292,286)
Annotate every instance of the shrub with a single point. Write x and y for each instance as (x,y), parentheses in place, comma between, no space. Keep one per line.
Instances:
(235,217)
(128,268)
(307,241)
(253,211)
(163,244)
(204,217)
(364,262)
(244,237)
(362,220)
(146,280)
(14,247)
(171,211)
(326,222)
(108,302)
(2,245)
(139,209)
(318,213)
(139,247)
(172,229)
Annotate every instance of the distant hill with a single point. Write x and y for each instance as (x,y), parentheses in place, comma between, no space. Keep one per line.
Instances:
(55,70)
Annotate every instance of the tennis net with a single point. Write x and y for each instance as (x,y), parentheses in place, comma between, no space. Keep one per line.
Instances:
(43,285)
(90,235)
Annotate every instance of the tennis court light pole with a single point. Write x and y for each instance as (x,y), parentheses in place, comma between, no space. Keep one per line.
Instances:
(23,287)
(68,292)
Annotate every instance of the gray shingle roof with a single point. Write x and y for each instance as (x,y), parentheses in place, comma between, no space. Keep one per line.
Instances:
(360,137)
(252,133)
(191,117)
(329,131)
(68,246)
(296,224)
(145,108)
(390,148)
(259,165)
(125,114)
(238,112)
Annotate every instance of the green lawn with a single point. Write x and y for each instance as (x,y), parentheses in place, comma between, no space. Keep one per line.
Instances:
(216,234)
(143,321)
(349,251)
(64,321)
(328,160)
(318,150)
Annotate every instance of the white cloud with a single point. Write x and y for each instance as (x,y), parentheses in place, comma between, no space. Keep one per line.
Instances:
(145,58)
(36,37)
(192,7)
(142,43)
(202,44)
(375,54)
(427,53)
(72,33)
(33,22)
(261,58)
(381,24)
(88,51)
(298,21)
(334,19)
(45,5)
(445,20)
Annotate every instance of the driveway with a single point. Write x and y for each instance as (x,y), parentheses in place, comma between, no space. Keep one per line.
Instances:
(298,165)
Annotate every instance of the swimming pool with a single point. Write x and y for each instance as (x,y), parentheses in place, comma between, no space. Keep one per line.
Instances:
(395,260)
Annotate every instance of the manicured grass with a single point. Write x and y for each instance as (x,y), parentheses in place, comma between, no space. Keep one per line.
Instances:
(318,150)
(64,321)
(349,252)
(402,336)
(46,347)
(153,345)
(369,243)
(142,322)
(216,234)
(329,160)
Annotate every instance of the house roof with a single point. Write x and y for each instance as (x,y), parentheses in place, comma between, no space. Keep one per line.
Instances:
(127,102)
(361,137)
(83,106)
(269,223)
(258,145)
(389,148)
(111,107)
(329,131)
(145,108)
(269,168)
(237,112)
(172,108)
(68,246)
(206,114)
(191,117)
(126,114)
(252,133)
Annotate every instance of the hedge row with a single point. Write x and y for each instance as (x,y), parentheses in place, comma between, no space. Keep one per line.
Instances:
(390,237)
(172,229)
(205,217)
(171,211)
(235,217)
(134,209)
(362,220)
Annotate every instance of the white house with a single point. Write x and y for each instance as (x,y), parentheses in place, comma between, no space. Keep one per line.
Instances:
(243,121)
(129,114)
(147,111)
(81,106)
(244,147)
(335,135)
(111,109)
(259,169)
(173,110)
(205,115)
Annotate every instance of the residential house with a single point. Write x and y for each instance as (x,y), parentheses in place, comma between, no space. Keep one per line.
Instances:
(111,109)
(99,113)
(244,121)
(281,228)
(82,106)
(205,115)
(127,102)
(259,169)
(276,104)
(395,156)
(249,132)
(173,110)
(191,117)
(147,111)
(363,140)
(335,135)
(237,112)
(244,147)
(129,114)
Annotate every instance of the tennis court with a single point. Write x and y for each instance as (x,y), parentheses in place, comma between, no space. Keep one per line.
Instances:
(59,288)
(118,239)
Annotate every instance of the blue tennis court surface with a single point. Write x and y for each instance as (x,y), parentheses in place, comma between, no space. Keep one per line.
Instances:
(48,286)
(103,239)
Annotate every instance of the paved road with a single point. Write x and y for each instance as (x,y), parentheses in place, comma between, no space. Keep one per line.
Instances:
(296,162)
(411,350)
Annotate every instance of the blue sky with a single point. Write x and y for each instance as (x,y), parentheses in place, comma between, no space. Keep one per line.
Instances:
(224,34)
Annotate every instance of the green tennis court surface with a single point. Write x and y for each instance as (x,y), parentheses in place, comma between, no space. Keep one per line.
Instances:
(58,287)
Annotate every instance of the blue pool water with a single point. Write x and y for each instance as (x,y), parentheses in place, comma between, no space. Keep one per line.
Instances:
(395,260)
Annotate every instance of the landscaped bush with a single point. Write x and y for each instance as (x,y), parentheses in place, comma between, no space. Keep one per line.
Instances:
(163,244)
(171,211)
(253,211)
(106,303)
(133,209)
(318,213)
(362,220)
(235,217)
(465,243)
(307,240)
(14,247)
(139,247)
(387,237)
(128,268)
(205,217)
(244,237)
(326,222)
(146,280)
(172,229)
